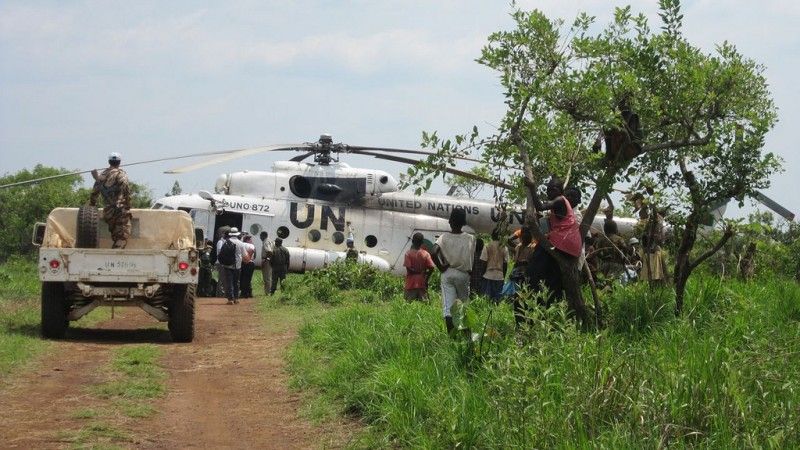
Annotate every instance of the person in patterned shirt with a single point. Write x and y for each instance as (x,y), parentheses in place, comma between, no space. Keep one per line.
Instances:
(112,184)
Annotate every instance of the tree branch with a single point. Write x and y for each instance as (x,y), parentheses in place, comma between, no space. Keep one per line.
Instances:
(727,235)
(677,144)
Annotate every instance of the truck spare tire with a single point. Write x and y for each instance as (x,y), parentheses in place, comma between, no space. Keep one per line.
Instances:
(88,223)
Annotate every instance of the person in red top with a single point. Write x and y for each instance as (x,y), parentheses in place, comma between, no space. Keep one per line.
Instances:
(563,234)
(419,265)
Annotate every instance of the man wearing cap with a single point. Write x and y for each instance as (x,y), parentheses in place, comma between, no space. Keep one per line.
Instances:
(232,271)
(112,184)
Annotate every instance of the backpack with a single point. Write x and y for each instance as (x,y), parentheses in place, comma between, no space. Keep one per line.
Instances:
(227,253)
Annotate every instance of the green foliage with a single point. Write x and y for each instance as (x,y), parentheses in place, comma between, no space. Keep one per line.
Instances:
(362,282)
(19,313)
(725,377)
(25,205)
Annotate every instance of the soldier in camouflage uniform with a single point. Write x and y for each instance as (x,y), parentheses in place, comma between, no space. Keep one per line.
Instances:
(113,185)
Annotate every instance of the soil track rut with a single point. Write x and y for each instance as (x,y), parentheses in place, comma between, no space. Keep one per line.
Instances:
(227,389)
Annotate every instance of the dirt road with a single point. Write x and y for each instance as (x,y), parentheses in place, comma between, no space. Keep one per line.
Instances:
(227,389)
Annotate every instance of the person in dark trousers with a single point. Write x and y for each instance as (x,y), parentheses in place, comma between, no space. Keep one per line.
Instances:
(478,269)
(543,271)
(495,256)
(229,255)
(352,253)
(206,286)
(280,264)
(248,267)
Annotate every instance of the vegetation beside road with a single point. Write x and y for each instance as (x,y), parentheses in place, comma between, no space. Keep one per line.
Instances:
(725,375)
(19,313)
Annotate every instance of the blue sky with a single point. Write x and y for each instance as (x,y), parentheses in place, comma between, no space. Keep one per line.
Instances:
(150,79)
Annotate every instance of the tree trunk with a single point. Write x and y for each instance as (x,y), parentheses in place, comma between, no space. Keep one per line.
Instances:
(571,281)
(683,267)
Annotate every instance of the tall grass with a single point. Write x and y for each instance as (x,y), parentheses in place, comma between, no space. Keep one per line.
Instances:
(19,313)
(725,375)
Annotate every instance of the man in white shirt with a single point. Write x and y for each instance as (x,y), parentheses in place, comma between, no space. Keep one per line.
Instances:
(232,265)
(453,255)
(496,256)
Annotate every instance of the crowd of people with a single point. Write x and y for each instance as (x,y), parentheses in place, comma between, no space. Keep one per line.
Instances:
(233,258)
(467,264)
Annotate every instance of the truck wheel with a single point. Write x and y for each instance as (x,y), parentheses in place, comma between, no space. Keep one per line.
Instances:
(54,310)
(88,222)
(181,313)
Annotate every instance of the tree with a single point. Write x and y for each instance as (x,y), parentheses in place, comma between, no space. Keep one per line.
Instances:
(602,107)
(25,205)
(470,188)
(141,196)
(176,189)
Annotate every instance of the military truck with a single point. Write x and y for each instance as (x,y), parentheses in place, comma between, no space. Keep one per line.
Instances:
(79,271)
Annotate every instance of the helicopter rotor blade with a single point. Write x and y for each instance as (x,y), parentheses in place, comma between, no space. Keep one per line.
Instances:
(775,206)
(228,155)
(81,172)
(299,158)
(449,170)
(359,149)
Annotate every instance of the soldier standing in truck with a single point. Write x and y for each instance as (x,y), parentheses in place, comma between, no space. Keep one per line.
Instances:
(112,184)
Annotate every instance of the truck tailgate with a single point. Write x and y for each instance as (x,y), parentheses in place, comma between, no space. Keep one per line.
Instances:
(116,265)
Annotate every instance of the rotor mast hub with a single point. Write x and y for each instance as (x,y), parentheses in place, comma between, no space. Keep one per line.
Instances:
(324,148)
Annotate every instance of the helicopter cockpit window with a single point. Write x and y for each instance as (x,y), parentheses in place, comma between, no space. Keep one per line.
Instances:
(314,235)
(157,206)
(300,186)
(338,237)
(371,241)
(283,232)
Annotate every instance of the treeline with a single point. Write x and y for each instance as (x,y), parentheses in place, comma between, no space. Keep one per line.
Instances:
(22,206)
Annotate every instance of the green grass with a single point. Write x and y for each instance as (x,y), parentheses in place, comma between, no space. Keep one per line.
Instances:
(97,435)
(135,375)
(19,314)
(724,375)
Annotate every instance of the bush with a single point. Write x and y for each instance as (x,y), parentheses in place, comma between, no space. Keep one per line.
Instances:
(361,282)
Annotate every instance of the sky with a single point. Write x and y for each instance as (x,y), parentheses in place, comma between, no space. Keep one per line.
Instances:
(151,79)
